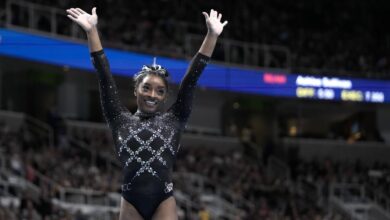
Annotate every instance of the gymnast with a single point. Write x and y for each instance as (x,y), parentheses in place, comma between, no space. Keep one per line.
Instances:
(147,141)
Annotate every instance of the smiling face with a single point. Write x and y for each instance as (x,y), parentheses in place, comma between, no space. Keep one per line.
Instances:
(151,93)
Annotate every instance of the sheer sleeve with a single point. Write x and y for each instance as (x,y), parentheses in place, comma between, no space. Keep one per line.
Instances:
(183,104)
(109,98)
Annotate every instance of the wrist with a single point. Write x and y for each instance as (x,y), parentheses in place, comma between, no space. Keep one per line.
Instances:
(212,34)
(92,30)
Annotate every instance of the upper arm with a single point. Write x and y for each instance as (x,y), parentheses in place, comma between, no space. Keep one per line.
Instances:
(109,97)
(183,104)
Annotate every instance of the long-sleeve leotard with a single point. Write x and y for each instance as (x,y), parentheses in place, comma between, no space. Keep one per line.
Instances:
(109,98)
(146,145)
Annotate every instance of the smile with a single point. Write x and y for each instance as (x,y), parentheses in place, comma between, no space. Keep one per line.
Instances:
(151,103)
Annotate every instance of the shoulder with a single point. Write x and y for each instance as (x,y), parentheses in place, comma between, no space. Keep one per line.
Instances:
(169,118)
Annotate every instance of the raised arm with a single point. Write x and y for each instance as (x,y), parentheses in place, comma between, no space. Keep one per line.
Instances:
(182,107)
(110,101)
(214,29)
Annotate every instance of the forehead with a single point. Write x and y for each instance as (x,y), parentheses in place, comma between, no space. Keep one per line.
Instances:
(153,80)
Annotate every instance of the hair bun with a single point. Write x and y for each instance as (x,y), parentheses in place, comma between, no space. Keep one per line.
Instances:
(157,69)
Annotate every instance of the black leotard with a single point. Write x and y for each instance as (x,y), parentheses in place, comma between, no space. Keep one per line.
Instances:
(146,144)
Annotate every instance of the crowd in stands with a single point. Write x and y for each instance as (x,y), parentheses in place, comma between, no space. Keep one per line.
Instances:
(229,171)
(265,196)
(323,173)
(48,167)
(95,139)
(243,179)
(323,37)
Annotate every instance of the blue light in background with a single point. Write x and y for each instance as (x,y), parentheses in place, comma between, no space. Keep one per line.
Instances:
(75,55)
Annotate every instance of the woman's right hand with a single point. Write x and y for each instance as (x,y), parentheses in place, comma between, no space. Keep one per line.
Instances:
(82,18)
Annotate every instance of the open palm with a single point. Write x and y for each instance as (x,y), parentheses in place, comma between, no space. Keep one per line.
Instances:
(82,18)
(213,22)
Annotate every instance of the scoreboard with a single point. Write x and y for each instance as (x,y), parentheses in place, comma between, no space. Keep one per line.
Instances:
(339,89)
(312,87)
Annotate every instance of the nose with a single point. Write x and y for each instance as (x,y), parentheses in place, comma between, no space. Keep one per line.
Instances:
(153,94)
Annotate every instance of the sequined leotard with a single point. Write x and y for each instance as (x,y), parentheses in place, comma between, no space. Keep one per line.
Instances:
(146,144)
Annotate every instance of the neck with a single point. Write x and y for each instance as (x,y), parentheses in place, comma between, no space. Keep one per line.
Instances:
(146,114)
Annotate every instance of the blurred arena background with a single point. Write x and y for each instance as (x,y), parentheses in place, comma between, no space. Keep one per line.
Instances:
(290,121)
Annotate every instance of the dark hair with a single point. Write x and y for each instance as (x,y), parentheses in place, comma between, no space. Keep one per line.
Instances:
(155,70)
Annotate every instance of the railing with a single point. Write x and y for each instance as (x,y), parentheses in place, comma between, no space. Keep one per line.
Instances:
(67,194)
(352,199)
(91,212)
(220,208)
(53,21)
(22,14)
(379,197)
(244,53)
(73,127)
(89,197)
(16,121)
(358,211)
(6,194)
(41,129)
(13,120)
(339,150)
(337,206)
(94,154)
(186,204)
(218,200)
(88,201)
(17,182)
(12,185)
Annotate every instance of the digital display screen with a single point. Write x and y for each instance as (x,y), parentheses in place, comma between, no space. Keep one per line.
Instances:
(76,55)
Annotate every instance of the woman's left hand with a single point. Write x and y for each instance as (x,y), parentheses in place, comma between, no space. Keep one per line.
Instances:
(213,22)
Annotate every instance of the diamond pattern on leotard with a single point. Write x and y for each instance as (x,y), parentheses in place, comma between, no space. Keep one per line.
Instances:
(146,145)
(129,143)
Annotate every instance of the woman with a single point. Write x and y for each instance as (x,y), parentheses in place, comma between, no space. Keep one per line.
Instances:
(147,141)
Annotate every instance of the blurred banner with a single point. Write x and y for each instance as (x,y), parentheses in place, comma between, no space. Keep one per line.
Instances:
(76,55)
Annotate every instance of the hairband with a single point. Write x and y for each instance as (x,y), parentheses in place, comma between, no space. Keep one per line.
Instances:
(158,69)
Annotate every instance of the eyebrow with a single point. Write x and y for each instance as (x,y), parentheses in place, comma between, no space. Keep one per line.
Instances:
(159,87)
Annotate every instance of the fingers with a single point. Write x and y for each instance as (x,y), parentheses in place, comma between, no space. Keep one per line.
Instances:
(80,11)
(215,14)
(219,16)
(224,23)
(72,18)
(73,12)
(206,16)
(94,11)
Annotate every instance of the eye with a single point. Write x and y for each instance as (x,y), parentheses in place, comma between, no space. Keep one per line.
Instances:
(145,88)
(161,91)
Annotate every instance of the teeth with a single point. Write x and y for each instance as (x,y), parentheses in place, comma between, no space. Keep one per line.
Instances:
(151,102)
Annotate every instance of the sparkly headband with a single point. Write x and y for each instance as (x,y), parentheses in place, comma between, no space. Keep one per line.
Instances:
(158,69)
